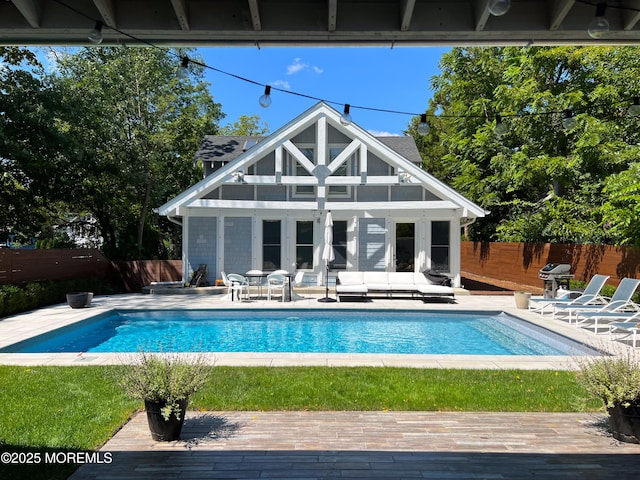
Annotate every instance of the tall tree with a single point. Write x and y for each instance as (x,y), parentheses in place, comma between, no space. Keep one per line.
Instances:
(136,124)
(541,180)
(32,147)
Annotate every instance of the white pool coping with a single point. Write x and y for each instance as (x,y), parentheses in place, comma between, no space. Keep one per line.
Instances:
(21,327)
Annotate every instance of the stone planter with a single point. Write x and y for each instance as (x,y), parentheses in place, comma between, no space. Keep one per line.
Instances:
(79,299)
(522,299)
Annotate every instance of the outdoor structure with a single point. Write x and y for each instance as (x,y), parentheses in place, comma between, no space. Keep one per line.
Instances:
(262,23)
(263,203)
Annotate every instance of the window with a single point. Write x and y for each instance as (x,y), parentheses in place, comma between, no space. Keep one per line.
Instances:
(342,170)
(304,245)
(440,246)
(340,245)
(300,171)
(271,240)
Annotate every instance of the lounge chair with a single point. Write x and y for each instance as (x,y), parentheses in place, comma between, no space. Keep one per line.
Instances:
(604,318)
(629,328)
(621,300)
(591,295)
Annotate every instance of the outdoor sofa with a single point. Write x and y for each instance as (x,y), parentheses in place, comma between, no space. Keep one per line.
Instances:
(363,283)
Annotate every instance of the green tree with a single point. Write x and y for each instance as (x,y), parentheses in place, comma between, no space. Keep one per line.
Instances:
(540,180)
(32,148)
(135,125)
(250,125)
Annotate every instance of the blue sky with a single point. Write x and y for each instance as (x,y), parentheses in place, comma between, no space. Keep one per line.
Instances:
(392,79)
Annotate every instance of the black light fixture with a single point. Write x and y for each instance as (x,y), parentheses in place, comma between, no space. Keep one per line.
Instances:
(96,34)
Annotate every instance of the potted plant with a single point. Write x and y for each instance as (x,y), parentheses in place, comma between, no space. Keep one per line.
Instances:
(165,381)
(522,299)
(615,379)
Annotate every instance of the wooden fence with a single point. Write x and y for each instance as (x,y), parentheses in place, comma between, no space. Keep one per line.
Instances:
(18,267)
(511,265)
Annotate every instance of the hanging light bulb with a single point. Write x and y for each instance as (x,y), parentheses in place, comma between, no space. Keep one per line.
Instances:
(499,7)
(568,120)
(500,129)
(634,110)
(265,100)
(599,26)
(346,119)
(183,69)
(96,34)
(423,127)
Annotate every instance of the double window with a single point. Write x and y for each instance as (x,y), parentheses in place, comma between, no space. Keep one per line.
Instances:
(310,190)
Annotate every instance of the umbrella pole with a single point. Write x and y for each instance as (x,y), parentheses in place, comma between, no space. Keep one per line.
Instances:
(326,289)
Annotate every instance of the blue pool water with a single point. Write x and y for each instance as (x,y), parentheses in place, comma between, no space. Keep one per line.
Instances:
(305,331)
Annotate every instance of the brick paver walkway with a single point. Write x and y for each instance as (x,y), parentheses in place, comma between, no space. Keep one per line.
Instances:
(371,445)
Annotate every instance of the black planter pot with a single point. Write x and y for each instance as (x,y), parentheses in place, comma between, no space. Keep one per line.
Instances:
(164,430)
(625,423)
(79,299)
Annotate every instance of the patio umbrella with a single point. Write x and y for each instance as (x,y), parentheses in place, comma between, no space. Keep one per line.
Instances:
(327,253)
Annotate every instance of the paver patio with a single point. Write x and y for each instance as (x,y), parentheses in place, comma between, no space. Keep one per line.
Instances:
(387,445)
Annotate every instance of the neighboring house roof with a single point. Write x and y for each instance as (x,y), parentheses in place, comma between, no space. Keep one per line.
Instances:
(399,153)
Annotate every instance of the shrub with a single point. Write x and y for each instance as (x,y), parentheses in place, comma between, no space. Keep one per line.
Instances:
(164,378)
(613,379)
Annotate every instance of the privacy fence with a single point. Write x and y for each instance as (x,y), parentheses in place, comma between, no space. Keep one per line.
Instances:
(18,267)
(515,265)
(507,265)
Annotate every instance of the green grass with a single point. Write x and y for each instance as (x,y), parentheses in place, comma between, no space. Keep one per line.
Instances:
(80,408)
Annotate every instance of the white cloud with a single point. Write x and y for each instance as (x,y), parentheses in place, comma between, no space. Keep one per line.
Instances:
(298,65)
(281,84)
(382,133)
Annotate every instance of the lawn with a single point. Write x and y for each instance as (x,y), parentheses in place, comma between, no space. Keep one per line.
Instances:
(50,409)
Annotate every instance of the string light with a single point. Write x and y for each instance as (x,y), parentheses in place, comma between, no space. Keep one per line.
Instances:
(183,69)
(265,100)
(634,110)
(346,119)
(96,34)
(498,8)
(599,26)
(500,128)
(568,120)
(423,127)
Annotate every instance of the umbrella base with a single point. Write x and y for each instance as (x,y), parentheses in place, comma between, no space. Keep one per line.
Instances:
(327,300)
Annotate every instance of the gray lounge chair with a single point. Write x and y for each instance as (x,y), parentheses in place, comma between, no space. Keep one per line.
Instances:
(591,295)
(621,300)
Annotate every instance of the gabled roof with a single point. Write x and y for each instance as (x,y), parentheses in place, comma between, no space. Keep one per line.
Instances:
(224,148)
(322,114)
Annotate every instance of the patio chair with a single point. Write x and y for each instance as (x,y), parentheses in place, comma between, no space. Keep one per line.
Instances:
(621,300)
(239,284)
(628,328)
(590,295)
(275,282)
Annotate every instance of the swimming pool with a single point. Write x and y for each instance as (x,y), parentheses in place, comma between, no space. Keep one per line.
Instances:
(303,331)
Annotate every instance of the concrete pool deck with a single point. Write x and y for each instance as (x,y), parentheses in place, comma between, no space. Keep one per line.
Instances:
(24,326)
